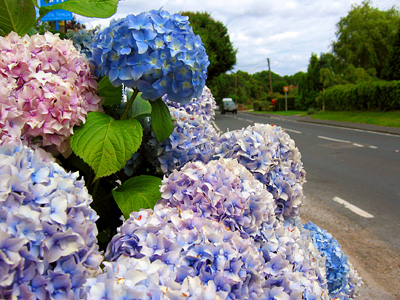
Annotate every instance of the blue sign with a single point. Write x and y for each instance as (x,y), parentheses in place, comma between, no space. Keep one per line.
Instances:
(56,15)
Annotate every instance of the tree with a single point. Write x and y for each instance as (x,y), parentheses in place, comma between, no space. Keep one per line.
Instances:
(294,79)
(240,86)
(392,71)
(310,84)
(263,78)
(74,24)
(216,40)
(365,37)
(356,75)
(278,86)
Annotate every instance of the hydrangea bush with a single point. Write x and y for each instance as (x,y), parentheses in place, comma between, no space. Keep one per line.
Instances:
(49,87)
(225,223)
(47,228)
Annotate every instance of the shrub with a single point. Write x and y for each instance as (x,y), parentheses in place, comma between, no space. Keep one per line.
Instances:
(261,105)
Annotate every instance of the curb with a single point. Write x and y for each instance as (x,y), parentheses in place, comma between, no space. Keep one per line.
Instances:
(357,126)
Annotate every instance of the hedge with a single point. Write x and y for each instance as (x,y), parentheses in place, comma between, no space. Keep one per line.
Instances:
(261,105)
(377,95)
(280,103)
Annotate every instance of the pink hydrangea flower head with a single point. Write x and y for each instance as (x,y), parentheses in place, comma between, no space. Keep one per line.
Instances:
(50,84)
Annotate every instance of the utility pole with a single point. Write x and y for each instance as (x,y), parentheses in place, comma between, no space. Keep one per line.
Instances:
(270,80)
(236,89)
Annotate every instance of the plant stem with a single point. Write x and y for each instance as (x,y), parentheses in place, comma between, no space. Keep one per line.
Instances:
(95,187)
(129,104)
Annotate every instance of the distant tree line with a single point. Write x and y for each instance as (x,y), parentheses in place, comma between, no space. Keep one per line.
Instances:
(367,49)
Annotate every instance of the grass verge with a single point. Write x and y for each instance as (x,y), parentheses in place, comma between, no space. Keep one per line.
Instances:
(389,118)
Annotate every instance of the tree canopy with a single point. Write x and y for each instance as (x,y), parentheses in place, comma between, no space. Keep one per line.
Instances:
(365,37)
(392,71)
(216,40)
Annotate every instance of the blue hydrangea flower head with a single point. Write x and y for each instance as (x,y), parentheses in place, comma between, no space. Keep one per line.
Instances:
(155,52)
(47,228)
(204,259)
(271,155)
(343,280)
(204,105)
(192,139)
(82,40)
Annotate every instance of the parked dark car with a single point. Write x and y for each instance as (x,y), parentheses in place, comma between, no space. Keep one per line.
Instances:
(228,106)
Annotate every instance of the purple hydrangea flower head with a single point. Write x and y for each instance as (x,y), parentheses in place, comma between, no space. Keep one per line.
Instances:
(50,84)
(293,262)
(271,155)
(225,191)
(47,229)
(343,280)
(131,278)
(221,190)
(192,139)
(155,52)
(204,105)
(205,257)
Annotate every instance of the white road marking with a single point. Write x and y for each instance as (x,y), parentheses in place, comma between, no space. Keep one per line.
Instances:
(292,130)
(344,141)
(216,126)
(353,208)
(358,145)
(331,139)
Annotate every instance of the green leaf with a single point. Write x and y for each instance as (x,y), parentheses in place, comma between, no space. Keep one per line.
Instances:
(112,95)
(141,108)
(17,15)
(87,8)
(32,31)
(136,193)
(106,144)
(161,120)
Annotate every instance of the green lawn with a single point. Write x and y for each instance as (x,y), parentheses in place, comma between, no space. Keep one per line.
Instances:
(390,118)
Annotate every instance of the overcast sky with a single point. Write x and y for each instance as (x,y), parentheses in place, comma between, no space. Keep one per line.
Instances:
(285,31)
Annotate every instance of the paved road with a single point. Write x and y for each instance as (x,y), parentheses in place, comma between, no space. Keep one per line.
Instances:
(357,172)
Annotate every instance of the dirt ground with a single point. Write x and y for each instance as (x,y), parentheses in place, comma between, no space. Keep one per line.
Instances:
(375,261)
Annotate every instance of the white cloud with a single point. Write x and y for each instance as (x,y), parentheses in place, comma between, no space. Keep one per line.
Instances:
(287,32)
